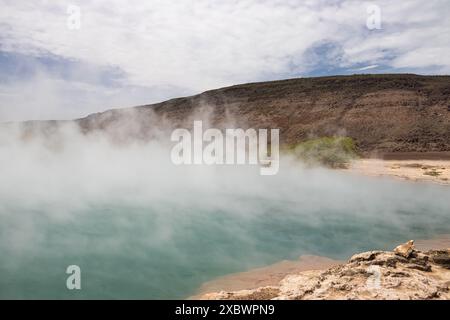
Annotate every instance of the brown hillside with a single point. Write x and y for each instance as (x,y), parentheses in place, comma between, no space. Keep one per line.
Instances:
(387,113)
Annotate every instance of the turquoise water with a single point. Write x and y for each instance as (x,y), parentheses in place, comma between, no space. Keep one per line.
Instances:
(167,246)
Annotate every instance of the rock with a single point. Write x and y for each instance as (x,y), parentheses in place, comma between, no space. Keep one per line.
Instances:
(441,258)
(406,249)
(421,267)
(403,274)
(365,256)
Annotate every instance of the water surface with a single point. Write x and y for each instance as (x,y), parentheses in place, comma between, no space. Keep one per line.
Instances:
(166,243)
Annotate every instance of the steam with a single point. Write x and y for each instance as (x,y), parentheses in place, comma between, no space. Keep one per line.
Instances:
(124,209)
(43,95)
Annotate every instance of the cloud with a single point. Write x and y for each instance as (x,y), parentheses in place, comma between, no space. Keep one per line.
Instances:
(199,45)
(368,67)
(38,88)
(43,97)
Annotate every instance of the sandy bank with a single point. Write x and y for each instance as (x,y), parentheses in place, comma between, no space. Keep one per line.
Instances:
(436,171)
(265,276)
(438,243)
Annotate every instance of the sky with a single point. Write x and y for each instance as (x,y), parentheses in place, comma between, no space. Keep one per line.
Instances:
(66,59)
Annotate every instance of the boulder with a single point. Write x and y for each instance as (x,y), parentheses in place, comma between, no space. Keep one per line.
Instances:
(405,250)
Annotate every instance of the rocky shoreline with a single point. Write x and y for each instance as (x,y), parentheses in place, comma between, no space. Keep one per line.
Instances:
(404,273)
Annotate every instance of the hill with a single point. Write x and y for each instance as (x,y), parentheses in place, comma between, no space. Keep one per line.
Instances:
(382,113)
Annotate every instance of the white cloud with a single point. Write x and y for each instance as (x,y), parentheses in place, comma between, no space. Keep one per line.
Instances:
(199,45)
(368,67)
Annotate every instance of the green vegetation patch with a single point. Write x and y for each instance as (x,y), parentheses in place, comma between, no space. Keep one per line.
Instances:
(433,172)
(334,152)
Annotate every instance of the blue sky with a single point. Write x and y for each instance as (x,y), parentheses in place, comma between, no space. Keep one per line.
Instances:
(124,53)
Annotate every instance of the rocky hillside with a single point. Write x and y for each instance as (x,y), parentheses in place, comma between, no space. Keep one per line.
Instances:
(403,274)
(386,113)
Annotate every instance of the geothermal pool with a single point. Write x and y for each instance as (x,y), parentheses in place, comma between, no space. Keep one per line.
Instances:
(140,227)
(167,248)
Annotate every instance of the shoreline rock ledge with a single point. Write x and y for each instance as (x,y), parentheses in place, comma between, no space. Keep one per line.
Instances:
(404,273)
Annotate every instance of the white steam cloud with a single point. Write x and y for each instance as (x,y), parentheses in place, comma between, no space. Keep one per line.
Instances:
(72,198)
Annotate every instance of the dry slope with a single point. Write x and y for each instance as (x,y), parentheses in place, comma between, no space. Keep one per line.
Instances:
(386,113)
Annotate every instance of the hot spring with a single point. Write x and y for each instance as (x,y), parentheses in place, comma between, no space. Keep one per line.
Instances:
(140,227)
